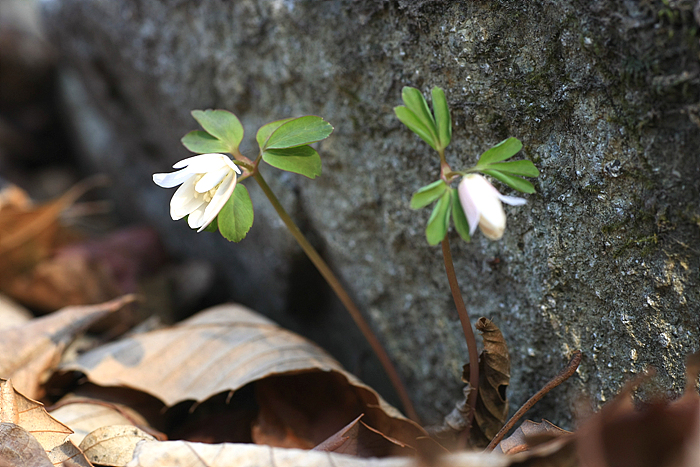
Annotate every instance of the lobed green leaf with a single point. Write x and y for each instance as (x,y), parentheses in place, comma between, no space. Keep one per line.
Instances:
(414,124)
(223,125)
(524,168)
(303,160)
(416,103)
(236,217)
(500,152)
(439,220)
(443,120)
(516,183)
(201,142)
(213,226)
(458,217)
(427,194)
(298,132)
(266,130)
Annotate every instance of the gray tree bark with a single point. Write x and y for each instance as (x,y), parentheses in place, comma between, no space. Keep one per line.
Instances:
(605,96)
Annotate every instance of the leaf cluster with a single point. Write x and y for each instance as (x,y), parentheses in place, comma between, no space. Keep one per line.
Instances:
(435,128)
(283,144)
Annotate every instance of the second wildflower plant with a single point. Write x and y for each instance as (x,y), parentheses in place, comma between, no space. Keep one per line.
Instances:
(474,203)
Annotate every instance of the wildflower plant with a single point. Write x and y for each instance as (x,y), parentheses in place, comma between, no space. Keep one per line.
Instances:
(474,203)
(211,196)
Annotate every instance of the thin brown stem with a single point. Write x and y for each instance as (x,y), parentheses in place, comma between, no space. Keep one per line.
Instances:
(562,376)
(466,327)
(344,297)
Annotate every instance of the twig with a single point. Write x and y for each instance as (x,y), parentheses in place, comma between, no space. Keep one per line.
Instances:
(562,376)
(466,327)
(344,297)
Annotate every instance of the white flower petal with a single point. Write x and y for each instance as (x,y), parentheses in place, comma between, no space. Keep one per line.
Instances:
(468,199)
(172,179)
(231,164)
(196,216)
(184,200)
(492,219)
(512,200)
(211,179)
(202,163)
(223,193)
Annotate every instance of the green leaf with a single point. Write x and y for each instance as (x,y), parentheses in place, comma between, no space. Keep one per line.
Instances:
(303,160)
(443,119)
(298,132)
(414,124)
(427,194)
(221,124)
(201,142)
(439,220)
(236,217)
(524,168)
(214,226)
(266,130)
(500,152)
(516,183)
(458,217)
(416,103)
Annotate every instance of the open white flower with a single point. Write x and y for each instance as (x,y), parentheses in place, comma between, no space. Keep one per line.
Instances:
(482,206)
(206,182)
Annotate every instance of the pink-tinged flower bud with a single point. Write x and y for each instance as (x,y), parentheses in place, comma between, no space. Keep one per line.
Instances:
(481,203)
(206,182)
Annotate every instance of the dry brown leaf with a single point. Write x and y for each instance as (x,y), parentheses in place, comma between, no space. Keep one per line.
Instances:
(89,271)
(63,280)
(84,415)
(68,455)
(528,435)
(11,313)
(358,439)
(182,453)
(227,347)
(660,434)
(113,445)
(29,351)
(18,448)
(491,403)
(30,415)
(29,233)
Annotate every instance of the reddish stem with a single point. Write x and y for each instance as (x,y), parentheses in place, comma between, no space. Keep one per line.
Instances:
(466,327)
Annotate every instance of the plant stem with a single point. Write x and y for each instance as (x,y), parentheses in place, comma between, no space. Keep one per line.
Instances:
(466,327)
(562,376)
(335,284)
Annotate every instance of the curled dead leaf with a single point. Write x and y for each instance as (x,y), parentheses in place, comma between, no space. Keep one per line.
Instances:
(492,403)
(229,347)
(28,352)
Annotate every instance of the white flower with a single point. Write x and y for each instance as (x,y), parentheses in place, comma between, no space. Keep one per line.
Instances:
(482,206)
(206,182)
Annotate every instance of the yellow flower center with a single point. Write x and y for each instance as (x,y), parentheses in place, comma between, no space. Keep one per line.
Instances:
(207,195)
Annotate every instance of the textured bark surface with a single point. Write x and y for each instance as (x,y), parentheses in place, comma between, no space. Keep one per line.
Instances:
(605,96)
